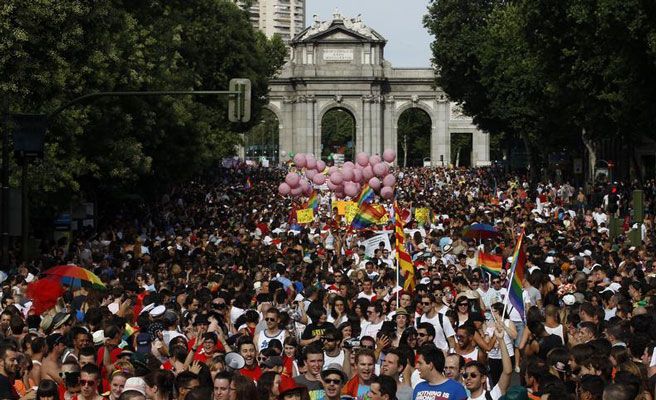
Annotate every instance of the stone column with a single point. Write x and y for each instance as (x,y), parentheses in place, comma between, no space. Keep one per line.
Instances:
(389,130)
(286,137)
(377,126)
(480,148)
(440,138)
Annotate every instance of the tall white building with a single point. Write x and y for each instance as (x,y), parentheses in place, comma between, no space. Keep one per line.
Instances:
(285,17)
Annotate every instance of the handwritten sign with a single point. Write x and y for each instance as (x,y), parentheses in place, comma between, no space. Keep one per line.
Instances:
(305,216)
(351,211)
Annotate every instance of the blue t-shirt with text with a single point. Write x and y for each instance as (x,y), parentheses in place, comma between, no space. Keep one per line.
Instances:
(449,390)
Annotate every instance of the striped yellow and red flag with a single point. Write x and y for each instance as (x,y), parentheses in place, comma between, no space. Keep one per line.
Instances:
(403,259)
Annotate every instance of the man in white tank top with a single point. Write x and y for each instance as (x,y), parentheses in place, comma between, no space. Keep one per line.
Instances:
(272,319)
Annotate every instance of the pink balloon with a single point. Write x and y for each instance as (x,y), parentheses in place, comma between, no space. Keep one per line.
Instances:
(304,184)
(386,192)
(362,159)
(299,160)
(292,180)
(389,155)
(321,165)
(310,163)
(367,172)
(339,195)
(350,189)
(348,164)
(389,180)
(348,174)
(336,177)
(375,159)
(331,185)
(357,175)
(308,191)
(284,189)
(310,173)
(332,169)
(380,169)
(319,179)
(297,190)
(374,183)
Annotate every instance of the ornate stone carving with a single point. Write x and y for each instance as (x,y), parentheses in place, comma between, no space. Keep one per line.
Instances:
(457,113)
(389,99)
(338,98)
(415,99)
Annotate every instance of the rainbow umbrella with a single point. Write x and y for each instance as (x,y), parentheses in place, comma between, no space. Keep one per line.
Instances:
(74,276)
(480,231)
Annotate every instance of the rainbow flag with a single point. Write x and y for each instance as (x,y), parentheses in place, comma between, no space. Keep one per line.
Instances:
(517,270)
(248,185)
(490,263)
(366,195)
(313,201)
(367,215)
(403,259)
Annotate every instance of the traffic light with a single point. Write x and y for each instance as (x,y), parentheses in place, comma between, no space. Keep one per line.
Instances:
(239,105)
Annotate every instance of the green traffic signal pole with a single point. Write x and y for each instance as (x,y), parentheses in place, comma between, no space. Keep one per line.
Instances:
(4,194)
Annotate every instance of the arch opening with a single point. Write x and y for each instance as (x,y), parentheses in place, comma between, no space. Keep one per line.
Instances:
(414,138)
(338,135)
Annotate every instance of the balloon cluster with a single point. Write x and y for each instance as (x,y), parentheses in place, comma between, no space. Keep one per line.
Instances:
(345,181)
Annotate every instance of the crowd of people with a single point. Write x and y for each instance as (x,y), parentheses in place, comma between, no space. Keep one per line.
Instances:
(215,292)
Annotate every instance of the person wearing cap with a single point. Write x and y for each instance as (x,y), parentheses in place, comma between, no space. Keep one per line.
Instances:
(333,379)
(51,366)
(292,391)
(134,389)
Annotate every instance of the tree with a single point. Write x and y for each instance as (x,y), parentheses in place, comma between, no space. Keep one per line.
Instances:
(54,51)
(338,133)
(414,135)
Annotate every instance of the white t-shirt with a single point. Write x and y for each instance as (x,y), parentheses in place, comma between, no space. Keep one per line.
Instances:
(448,331)
(495,393)
(370,329)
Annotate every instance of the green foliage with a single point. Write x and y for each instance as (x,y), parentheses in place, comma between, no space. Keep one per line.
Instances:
(337,130)
(544,71)
(414,133)
(53,51)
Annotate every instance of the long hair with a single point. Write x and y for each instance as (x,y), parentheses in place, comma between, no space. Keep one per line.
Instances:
(265,385)
(244,387)
(164,380)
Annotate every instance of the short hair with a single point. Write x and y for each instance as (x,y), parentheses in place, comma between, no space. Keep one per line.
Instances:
(592,384)
(403,359)
(184,378)
(6,347)
(88,352)
(223,375)
(314,348)
(619,391)
(430,329)
(432,355)
(199,393)
(469,328)
(387,385)
(47,388)
(90,369)
(244,341)
(461,359)
(482,368)
(362,352)
(130,395)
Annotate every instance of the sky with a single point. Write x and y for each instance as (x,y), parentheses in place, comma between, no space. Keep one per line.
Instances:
(398,21)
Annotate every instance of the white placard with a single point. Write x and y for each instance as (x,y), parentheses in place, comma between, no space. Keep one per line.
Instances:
(338,55)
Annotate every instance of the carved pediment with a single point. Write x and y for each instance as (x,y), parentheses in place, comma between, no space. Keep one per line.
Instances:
(339,29)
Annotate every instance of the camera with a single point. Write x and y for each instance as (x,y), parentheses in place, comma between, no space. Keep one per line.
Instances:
(351,343)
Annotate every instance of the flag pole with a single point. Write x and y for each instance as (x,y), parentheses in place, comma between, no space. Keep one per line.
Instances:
(510,277)
(396,253)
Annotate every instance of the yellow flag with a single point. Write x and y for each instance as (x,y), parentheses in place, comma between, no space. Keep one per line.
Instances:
(305,216)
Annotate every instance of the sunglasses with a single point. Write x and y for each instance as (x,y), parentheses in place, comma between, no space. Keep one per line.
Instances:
(473,375)
(270,319)
(425,303)
(333,381)
(463,304)
(86,382)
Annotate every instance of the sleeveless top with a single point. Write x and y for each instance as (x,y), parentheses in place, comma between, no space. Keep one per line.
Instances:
(263,339)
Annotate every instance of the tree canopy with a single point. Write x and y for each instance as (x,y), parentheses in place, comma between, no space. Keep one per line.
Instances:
(54,51)
(555,74)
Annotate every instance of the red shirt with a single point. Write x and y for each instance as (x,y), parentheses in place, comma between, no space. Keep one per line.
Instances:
(254,373)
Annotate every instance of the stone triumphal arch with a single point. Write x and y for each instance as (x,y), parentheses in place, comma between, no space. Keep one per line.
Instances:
(339,64)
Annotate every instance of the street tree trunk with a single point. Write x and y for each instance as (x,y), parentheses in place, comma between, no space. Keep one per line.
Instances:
(592,154)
